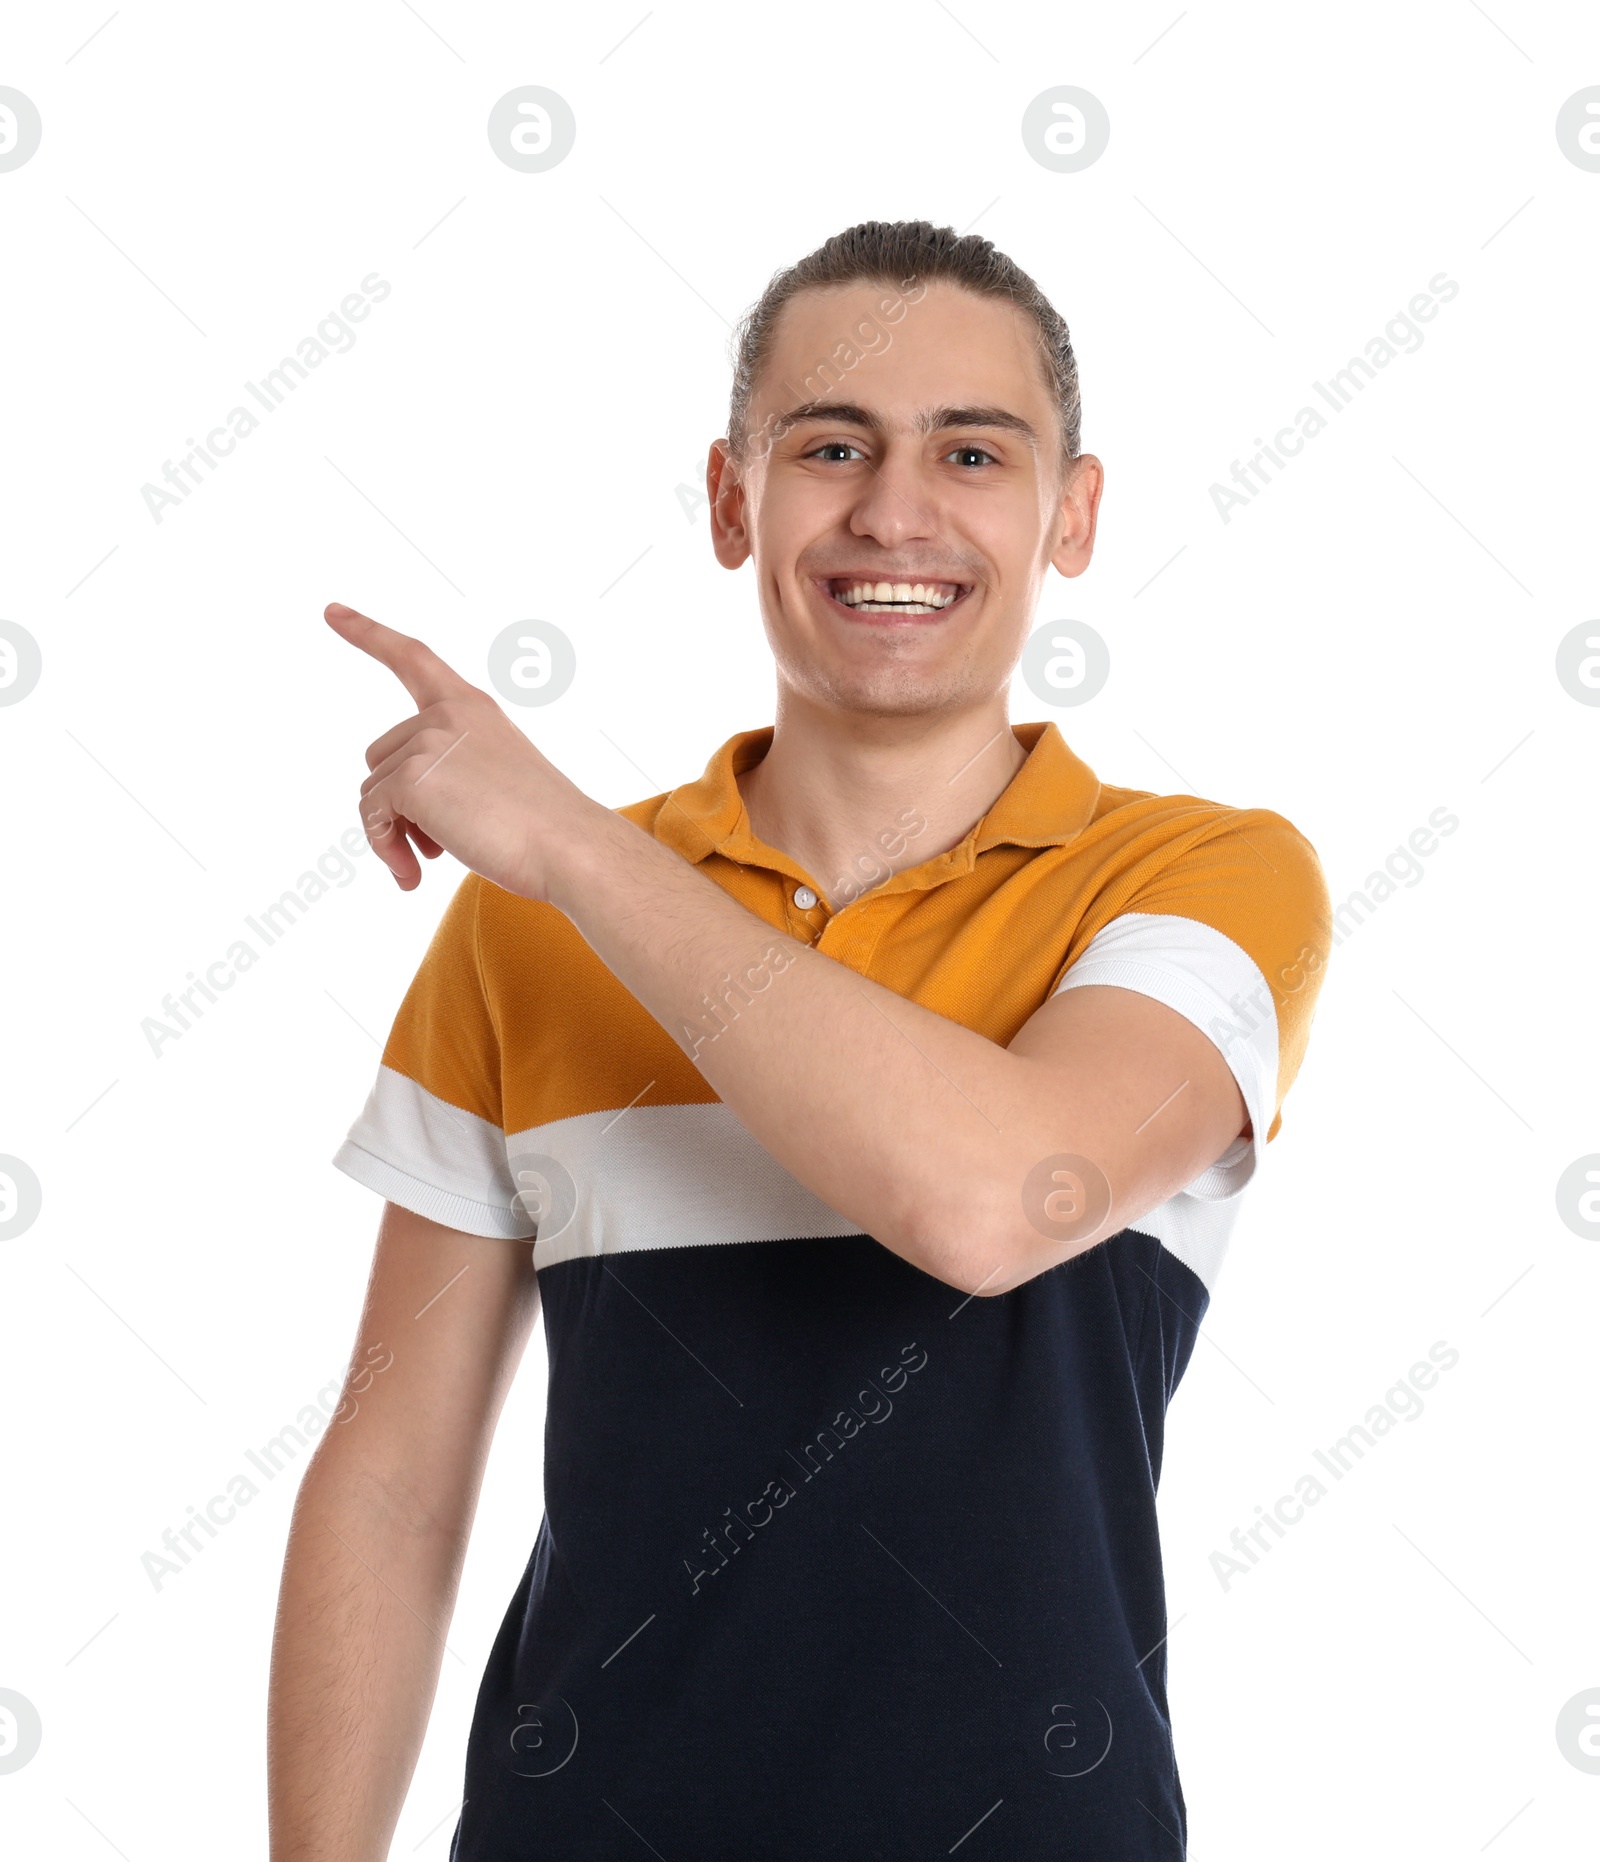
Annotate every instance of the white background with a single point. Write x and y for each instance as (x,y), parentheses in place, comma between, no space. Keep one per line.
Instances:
(1372,639)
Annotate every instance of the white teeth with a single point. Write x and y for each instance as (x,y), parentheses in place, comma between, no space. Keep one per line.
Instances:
(902,597)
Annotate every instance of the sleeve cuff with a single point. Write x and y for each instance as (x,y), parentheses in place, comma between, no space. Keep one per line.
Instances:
(1210,981)
(446,1206)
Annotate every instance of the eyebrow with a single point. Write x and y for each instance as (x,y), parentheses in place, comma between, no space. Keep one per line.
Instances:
(928,420)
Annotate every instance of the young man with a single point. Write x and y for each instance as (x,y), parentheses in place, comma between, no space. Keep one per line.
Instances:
(878,1106)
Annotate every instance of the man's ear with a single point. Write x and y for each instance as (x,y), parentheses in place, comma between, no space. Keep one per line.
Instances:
(1078,514)
(725,488)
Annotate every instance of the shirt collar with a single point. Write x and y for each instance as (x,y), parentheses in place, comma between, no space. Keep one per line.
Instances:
(1050,799)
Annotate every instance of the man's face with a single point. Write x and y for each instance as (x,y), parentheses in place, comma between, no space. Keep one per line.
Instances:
(929,453)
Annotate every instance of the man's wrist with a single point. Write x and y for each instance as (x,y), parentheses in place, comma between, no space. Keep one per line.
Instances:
(575,860)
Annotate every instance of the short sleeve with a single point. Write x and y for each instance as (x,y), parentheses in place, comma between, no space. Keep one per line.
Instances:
(1233,931)
(430,1136)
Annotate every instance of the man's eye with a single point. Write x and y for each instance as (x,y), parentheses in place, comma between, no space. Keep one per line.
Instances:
(834,446)
(982,454)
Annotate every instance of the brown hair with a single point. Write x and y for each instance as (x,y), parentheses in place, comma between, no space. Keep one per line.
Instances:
(899,253)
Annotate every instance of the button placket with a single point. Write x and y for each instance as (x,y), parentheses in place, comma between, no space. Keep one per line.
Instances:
(804,921)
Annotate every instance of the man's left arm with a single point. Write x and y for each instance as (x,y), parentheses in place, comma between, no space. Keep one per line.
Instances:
(948,1149)
(932,1138)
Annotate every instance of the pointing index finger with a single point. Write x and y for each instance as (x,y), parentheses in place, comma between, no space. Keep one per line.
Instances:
(418,668)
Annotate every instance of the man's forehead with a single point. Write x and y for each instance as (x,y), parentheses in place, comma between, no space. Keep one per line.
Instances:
(862,353)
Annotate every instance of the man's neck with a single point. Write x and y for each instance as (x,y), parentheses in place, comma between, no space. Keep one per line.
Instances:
(854,798)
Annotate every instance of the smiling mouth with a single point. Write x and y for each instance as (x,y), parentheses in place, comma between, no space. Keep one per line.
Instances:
(912,600)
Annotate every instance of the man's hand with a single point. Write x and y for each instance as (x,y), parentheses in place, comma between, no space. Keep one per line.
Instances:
(459,775)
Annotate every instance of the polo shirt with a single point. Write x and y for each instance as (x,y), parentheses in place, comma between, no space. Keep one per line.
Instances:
(837,1561)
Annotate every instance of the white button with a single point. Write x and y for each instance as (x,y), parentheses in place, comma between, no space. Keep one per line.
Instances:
(805,898)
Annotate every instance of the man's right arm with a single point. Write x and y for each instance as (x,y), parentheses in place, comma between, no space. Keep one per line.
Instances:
(379,1534)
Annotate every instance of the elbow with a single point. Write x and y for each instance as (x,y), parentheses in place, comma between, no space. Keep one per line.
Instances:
(1006,1231)
(973,1251)
(983,1264)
